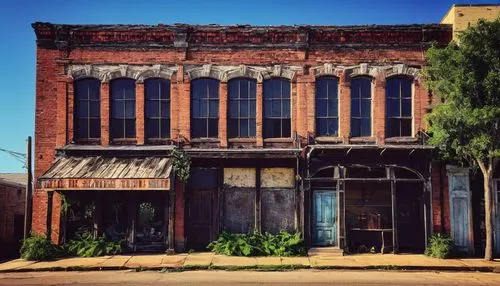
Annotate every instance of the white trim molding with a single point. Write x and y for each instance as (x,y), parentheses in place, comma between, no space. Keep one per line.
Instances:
(105,73)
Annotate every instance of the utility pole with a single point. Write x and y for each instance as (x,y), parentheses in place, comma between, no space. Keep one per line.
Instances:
(29,191)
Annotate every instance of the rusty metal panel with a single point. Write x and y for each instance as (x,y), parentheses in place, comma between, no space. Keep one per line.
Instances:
(278,210)
(239,210)
(239,177)
(278,178)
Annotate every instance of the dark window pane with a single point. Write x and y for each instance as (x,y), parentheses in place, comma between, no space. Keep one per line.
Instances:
(195,108)
(405,127)
(165,89)
(214,109)
(213,127)
(355,109)
(95,128)
(365,108)
(130,109)
(152,108)
(332,107)
(251,128)
(286,108)
(322,126)
(268,108)
(321,108)
(392,127)
(252,108)
(269,127)
(393,107)
(118,109)
(366,127)
(152,89)
(232,129)
(233,109)
(152,128)
(243,127)
(321,89)
(165,128)
(129,128)
(406,88)
(203,108)
(165,108)
(233,89)
(198,127)
(82,108)
(276,108)
(243,88)
(286,128)
(333,127)
(117,129)
(355,127)
(392,88)
(95,109)
(244,108)
(252,89)
(82,128)
(406,107)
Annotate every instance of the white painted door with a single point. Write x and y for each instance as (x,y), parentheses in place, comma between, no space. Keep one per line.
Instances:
(460,208)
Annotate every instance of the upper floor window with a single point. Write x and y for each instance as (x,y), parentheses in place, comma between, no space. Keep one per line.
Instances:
(327,106)
(122,125)
(241,115)
(277,118)
(361,107)
(157,113)
(87,117)
(398,107)
(204,108)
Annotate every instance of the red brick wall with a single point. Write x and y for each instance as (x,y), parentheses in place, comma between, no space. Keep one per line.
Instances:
(54,89)
(11,204)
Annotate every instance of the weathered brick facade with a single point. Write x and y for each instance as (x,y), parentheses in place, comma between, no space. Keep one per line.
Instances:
(180,53)
(12,199)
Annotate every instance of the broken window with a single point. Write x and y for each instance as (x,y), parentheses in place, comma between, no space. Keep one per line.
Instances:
(361,107)
(87,118)
(204,108)
(157,113)
(277,123)
(242,101)
(398,107)
(122,109)
(327,120)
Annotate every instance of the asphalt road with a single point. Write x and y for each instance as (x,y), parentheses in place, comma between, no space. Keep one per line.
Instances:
(250,278)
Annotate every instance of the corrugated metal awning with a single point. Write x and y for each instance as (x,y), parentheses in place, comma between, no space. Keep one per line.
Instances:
(108,173)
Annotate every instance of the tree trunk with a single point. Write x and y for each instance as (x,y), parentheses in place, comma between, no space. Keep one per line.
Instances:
(488,208)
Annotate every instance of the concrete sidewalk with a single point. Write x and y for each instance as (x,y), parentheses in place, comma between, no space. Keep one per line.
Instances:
(213,261)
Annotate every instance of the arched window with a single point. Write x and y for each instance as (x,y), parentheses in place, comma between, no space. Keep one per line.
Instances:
(87,118)
(157,113)
(241,115)
(277,117)
(327,106)
(361,107)
(398,107)
(204,108)
(122,109)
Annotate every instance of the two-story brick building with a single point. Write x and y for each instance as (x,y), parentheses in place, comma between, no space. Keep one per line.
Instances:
(317,129)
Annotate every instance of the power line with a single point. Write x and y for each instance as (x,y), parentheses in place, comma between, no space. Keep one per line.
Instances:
(21,157)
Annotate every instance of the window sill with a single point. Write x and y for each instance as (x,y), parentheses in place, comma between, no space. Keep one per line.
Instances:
(328,139)
(242,140)
(162,141)
(405,139)
(278,140)
(205,140)
(362,140)
(125,141)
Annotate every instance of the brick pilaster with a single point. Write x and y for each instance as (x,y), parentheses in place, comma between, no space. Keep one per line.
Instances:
(344,107)
(378,113)
(259,115)
(61,112)
(105,112)
(184,113)
(223,114)
(139,113)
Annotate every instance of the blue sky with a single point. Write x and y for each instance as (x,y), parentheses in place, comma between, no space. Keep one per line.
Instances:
(17,48)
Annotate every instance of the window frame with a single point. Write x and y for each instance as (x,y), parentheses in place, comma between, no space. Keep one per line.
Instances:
(208,99)
(125,119)
(401,99)
(283,119)
(251,98)
(161,118)
(88,118)
(360,99)
(328,100)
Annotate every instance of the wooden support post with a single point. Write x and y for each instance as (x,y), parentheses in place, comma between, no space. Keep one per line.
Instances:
(258,226)
(427,210)
(394,213)
(28,209)
(50,200)
(220,199)
(98,215)
(171,216)
(132,217)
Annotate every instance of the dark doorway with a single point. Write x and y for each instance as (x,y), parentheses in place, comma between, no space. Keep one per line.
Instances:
(151,225)
(201,206)
(410,216)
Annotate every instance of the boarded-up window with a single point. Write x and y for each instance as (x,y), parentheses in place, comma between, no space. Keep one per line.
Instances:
(239,177)
(239,210)
(278,178)
(278,210)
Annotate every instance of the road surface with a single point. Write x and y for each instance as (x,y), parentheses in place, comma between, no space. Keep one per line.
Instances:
(300,277)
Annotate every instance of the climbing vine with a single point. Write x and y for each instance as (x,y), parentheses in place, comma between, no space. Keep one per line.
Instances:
(181,164)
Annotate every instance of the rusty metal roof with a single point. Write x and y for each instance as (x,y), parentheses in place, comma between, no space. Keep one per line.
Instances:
(109,168)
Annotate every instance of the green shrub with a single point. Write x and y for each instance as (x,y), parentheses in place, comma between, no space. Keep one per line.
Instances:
(87,245)
(440,246)
(259,244)
(37,247)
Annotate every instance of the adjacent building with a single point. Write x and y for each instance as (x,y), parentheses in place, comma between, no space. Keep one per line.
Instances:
(461,16)
(12,203)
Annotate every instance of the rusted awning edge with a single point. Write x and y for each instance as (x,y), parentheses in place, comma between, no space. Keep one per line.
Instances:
(96,184)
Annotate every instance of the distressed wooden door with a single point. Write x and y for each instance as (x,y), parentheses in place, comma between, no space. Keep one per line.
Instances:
(201,208)
(460,210)
(324,218)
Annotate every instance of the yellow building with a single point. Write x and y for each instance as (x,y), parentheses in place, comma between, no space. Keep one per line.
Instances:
(463,15)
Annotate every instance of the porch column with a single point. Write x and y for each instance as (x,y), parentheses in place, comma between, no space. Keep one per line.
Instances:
(394,212)
(427,210)
(171,216)
(48,221)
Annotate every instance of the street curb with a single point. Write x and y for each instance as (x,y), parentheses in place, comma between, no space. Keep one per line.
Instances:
(263,268)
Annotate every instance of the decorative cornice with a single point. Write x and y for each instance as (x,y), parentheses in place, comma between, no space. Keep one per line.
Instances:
(402,69)
(105,73)
(326,69)
(365,69)
(225,73)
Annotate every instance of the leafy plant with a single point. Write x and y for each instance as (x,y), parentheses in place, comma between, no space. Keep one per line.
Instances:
(440,246)
(259,244)
(181,164)
(87,245)
(37,247)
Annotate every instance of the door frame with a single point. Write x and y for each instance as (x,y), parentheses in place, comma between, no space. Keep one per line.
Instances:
(336,217)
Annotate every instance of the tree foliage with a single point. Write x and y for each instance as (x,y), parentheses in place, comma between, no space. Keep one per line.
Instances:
(466,78)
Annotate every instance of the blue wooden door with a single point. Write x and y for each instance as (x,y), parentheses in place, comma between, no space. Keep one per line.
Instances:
(324,219)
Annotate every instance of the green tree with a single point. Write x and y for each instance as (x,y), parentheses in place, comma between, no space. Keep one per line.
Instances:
(465,125)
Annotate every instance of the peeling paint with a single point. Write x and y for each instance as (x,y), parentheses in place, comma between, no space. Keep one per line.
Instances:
(278,178)
(240,177)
